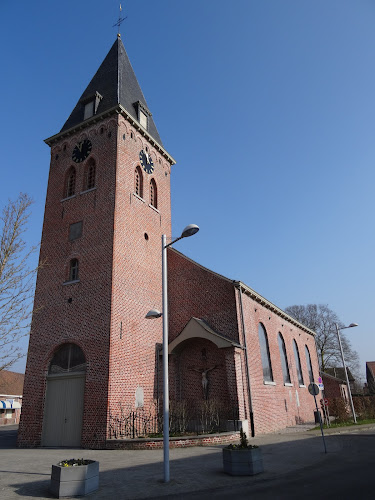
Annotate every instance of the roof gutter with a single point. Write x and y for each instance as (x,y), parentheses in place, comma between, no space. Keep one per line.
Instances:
(266,303)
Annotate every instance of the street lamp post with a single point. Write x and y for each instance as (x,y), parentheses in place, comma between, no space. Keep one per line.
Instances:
(352,325)
(153,314)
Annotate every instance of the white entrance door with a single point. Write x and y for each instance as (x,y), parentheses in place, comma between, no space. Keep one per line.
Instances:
(62,424)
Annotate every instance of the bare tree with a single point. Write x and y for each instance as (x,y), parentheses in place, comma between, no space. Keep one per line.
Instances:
(322,320)
(16,279)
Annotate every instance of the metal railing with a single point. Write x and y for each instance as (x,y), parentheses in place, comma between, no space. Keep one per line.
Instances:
(140,423)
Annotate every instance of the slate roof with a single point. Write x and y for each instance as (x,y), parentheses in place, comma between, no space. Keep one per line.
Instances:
(11,383)
(337,379)
(116,82)
(340,373)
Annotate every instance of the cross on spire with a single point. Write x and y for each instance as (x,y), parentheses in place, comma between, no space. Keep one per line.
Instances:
(119,21)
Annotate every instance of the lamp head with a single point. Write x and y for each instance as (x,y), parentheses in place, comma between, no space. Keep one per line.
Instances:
(153,314)
(189,230)
(352,325)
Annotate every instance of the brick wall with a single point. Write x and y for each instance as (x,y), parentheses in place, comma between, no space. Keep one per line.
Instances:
(276,406)
(119,256)
(194,291)
(74,312)
(186,442)
(137,284)
(332,386)
(198,292)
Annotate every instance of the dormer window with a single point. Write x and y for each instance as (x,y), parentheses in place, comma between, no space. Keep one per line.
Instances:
(89,110)
(143,114)
(91,104)
(143,119)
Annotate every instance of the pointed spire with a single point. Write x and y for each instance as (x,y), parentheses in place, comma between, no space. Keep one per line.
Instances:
(114,83)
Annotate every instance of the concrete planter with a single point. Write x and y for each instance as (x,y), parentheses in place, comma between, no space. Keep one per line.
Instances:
(245,462)
(75,480)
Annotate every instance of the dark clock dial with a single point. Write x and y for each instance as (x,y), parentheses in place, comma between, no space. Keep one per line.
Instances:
(81,150)
(146,162)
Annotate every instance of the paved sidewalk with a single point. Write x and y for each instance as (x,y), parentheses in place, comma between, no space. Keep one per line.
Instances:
(126,474)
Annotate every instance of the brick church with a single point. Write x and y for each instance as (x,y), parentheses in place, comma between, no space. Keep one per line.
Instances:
(92,352)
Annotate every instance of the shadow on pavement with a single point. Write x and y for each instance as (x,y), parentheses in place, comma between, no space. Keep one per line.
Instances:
(292,467)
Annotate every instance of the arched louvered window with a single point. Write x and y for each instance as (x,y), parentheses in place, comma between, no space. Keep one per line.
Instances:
(298,363)
(90,175)
(284,359)
(68,358)
(265,354)
(153,194)
(73,270)
(138,182)
(309,365)
(70,183)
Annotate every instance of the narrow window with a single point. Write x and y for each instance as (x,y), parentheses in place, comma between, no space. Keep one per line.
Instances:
(265,354)
(73,272)
(284,359)
(298,363)
(153,194)
(70,184)
(309,365)
(90,175)
(138,184)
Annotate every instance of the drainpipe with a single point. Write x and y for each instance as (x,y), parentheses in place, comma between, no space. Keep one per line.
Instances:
(238,283)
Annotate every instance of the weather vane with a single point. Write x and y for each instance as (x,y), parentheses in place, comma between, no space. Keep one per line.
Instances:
(119,21)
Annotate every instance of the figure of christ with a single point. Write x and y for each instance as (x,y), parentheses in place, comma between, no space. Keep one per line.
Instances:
(204,372)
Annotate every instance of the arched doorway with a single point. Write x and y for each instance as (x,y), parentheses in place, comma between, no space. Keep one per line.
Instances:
(63,411)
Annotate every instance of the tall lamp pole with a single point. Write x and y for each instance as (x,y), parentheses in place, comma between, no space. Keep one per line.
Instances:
(352,325)
(153,314)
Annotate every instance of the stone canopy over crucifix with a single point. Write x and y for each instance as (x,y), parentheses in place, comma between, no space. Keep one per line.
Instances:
(204,372)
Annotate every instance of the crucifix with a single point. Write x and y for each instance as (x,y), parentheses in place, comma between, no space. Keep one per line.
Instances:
(204,372)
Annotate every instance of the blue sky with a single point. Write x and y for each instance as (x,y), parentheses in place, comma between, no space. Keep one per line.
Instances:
(268,107)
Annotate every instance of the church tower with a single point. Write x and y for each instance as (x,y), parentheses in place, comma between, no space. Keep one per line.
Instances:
(92,353)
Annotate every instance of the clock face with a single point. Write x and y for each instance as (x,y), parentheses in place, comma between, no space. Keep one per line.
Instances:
(81,150)
(146,162)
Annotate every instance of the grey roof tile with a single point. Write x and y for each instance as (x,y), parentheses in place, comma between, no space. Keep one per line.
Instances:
(339,372)
(116,82)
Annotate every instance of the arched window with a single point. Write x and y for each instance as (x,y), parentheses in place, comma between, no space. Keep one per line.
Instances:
(309,365)
(298,363)
(284,359)
(265,354)
(90,175)
(69,358)
(138,182)
(70,183)
(153,194)
(73,270)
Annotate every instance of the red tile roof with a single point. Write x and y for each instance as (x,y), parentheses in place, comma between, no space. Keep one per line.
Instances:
(11,383)
(371,366)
